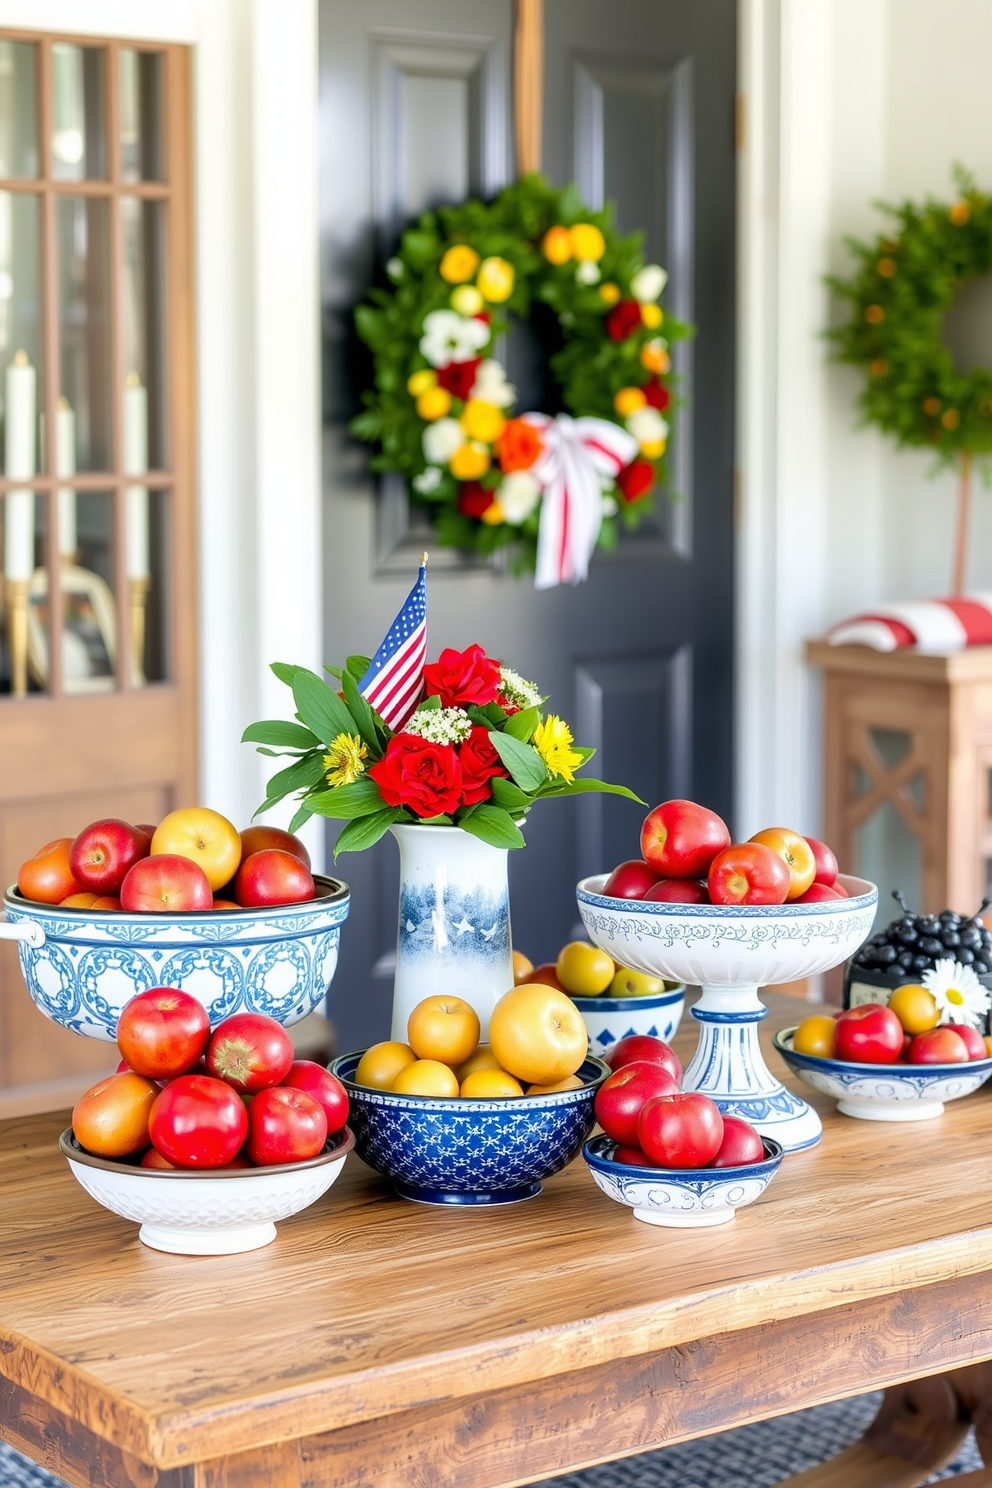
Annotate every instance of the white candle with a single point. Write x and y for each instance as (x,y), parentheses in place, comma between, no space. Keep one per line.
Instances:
(19,436)
(136,463)
(65,464)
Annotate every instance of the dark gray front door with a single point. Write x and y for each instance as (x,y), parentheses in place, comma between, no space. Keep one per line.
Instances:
(416,109)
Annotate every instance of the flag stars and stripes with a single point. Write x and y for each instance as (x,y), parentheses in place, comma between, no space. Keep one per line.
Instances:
(393,682)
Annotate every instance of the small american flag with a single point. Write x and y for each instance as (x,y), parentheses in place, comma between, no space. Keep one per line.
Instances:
(393,681)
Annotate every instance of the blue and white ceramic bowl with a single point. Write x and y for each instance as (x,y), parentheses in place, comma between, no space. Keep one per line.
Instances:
(610,1019)
(82,967)
(469,1151)
(885,1092)
(680,1198)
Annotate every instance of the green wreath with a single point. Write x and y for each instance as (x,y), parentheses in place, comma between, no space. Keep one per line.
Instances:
(905,283)
(441,412)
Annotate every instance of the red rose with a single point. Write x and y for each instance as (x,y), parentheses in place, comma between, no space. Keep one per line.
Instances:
(474,499)
(457,377)
(461,677)
(658,397)
(426,777)
(635,480)
(480,762)
(623,320)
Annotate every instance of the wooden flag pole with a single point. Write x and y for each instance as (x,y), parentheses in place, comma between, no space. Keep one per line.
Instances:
(528,83)
(964,512)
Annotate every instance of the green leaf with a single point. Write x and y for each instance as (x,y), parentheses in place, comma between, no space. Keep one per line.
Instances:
(524,763)
(430,705)
(361,712)
(522,725)
(360,798)
(358,666)
(493,825)
(365,831)
(437,821)
(285,671)
(508,795)
(279,731)
(305,772)
(302,815)
(321,708)
(585,787)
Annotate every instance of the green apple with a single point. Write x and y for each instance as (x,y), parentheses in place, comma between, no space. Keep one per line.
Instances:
(634,984)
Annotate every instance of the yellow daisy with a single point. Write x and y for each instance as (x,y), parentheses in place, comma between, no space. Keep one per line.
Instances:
(553,740)
(343,761)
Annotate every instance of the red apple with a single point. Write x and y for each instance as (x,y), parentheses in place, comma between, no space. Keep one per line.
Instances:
(103,853)
(938,1046)
(869,1034)
(679,891)
(741,1145)
(971,1038)
(818,893)
(326,1089)
(547,973)
(146,830)
(622,1095)
(826,863)
(273,877)
(639,1048)
(631,880)
(166,884)
(258,839)
(684,1130)
(633,1157)
(680,839)
(749,873)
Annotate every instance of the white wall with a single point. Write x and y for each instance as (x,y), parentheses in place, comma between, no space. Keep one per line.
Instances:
(846,101)
(255,219)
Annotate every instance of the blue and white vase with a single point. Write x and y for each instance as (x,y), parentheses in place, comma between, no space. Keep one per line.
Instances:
(454,922)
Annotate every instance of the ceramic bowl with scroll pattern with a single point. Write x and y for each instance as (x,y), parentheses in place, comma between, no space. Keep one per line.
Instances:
(208,1212)
(81,966)
(680,1198)
(885,1092)
(455,1151)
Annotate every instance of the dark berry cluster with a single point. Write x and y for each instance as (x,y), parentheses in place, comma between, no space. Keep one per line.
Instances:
(915,943)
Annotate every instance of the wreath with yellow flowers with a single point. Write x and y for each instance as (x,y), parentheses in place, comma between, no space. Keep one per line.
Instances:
(441,412)
(905,282)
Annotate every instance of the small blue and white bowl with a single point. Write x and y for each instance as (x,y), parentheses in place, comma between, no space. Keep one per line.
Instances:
(681,1198)
(885,1092)
(452,1151)
(610,1019)
(81,966)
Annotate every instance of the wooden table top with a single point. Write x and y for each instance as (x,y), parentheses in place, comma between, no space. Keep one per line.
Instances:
(366,1305)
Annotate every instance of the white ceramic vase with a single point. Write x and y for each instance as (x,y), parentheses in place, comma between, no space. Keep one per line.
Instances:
(454,922)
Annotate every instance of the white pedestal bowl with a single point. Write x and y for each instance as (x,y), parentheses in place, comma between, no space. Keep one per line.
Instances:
(730,951)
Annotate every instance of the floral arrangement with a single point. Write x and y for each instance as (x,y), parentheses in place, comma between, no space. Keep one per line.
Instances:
(476,752)
(442,413)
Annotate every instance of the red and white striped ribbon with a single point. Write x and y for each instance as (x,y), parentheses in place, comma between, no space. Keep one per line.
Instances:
(934,626)
(580,460)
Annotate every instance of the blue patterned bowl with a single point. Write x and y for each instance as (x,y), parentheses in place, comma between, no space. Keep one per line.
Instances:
(610,1019)
(885,1092)
(680,1198)
(81,968)
(469,1151)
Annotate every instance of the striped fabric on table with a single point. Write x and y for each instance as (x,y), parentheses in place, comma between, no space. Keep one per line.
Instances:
(393,681)
(934,626)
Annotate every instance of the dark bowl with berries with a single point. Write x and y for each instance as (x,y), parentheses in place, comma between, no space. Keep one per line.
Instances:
(913,945)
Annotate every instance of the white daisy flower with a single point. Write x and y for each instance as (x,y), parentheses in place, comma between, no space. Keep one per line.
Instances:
(440,725)
(648,283)
(587,272)
(491,385)
(450,337)
(957,992)
(394,268)
(519,493)
(516,689)
(647,425)
(441,439)
(428,480)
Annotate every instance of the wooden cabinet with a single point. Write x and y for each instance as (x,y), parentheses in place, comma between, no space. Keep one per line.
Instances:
(97,487)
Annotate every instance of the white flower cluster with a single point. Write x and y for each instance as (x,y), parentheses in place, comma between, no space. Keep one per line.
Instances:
(450,337)
(516,689)
(491,385)
(440,725)
(648,283)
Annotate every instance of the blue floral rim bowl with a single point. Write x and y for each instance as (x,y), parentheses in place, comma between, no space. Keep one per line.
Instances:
(82,967)
(680,1198)
(457,1152)
(610,1019)
(885,1092)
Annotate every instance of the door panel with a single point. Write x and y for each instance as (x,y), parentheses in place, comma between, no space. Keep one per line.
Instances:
(639,105)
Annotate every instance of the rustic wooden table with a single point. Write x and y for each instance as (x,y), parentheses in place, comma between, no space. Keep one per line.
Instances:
(380,1342)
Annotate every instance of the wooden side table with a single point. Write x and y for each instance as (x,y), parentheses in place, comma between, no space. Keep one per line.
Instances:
(911,735)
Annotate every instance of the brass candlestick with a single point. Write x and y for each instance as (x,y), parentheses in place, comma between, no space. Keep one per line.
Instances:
(138,589)
(16,599)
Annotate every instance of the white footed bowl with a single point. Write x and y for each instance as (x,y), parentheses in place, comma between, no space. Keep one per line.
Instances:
(727,945)
(686,1198)
(206,1212)
(885,1092)
(610,1019)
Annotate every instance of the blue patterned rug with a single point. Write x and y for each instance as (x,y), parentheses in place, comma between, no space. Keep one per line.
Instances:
(751,1457)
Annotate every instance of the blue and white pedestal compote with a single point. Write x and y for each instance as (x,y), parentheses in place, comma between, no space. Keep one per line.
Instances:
(730,951)
(454,922)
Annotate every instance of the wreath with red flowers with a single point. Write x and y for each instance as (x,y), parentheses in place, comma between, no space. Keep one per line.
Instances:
(441,411)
